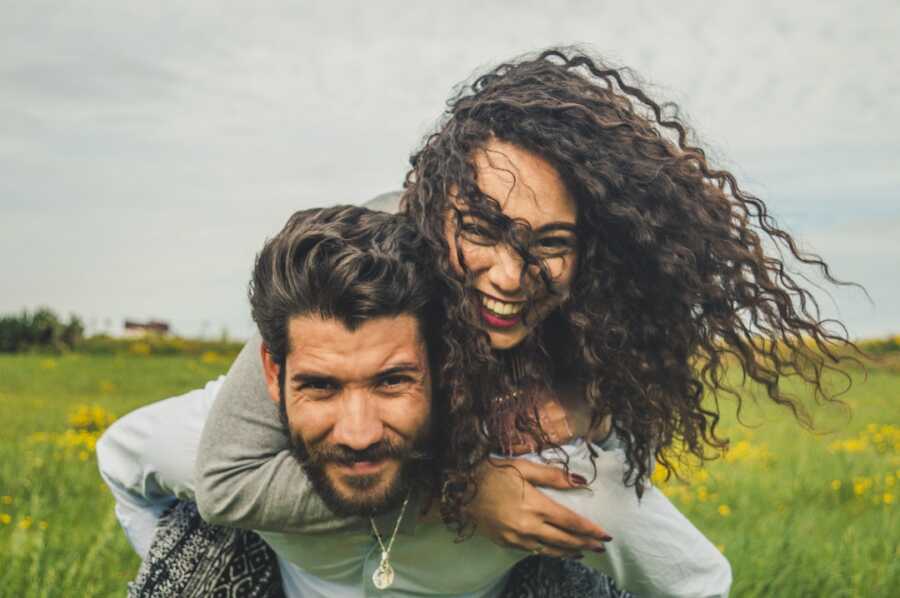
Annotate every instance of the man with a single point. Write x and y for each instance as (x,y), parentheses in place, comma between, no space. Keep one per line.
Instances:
(342,300)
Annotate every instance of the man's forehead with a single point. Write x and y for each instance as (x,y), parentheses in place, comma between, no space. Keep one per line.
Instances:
(328,346)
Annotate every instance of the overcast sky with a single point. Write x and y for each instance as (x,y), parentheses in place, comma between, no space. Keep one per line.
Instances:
(148,149)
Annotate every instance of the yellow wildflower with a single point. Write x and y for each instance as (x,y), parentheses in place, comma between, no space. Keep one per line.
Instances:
(724,510)
(888,498)
(745,451)
(5,519)
(43,525)
(659,475)
(90,418)
(835,485)
(210,357)
(7,500)
(140,348)
(25,522)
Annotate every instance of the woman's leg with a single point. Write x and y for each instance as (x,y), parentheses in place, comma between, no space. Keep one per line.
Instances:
(193,559)
(548,577)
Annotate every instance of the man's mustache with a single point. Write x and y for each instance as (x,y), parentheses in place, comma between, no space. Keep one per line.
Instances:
(344,455)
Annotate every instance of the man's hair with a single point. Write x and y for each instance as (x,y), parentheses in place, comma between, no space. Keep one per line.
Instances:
(347,263)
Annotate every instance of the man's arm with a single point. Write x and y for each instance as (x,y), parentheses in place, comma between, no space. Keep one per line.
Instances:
(146,458)
(245,472)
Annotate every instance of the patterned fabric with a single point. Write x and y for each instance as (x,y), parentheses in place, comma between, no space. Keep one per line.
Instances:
(548,577)
(191,559)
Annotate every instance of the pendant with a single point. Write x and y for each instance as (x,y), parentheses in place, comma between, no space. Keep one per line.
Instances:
(384,574)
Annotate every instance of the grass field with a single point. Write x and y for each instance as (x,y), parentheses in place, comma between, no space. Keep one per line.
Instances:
(796,513)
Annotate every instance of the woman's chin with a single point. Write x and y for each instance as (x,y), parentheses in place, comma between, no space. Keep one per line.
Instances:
(502,340)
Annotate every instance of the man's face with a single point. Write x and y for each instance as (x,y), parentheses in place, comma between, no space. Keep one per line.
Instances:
(357,405)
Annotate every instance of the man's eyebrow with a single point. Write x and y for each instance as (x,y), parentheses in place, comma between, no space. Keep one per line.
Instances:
(300,377)
(400,368)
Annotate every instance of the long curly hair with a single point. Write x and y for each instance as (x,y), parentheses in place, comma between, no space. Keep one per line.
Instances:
(680,275)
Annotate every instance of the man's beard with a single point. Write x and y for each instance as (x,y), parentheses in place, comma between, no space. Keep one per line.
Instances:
(371,495)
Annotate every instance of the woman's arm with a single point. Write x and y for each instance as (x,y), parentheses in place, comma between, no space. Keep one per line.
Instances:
(246,475)
(656,551)
(245,472)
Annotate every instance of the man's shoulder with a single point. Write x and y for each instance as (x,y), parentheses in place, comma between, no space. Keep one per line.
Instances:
(386,202)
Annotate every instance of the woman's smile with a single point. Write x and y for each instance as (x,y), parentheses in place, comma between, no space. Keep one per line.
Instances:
(501,314)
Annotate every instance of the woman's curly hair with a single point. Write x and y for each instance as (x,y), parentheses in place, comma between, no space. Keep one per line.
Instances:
(680,272)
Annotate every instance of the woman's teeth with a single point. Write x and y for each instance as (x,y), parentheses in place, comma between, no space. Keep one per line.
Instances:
(502,308)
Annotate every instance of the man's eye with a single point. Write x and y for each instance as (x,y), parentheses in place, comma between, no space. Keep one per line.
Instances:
(317,386)
(395,382)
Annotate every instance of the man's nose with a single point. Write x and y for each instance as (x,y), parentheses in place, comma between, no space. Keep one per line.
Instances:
(359,424)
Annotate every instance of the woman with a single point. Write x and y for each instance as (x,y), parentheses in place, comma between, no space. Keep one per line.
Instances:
(598,271)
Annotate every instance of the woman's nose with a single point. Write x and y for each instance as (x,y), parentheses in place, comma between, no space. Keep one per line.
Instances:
(505,273)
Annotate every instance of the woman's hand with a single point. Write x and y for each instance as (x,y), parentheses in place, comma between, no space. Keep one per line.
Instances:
(510,511)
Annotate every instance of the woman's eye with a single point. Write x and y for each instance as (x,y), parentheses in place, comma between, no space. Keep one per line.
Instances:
(478,233)
(554,246)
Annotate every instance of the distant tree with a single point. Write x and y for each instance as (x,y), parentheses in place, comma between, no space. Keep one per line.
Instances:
(46,330)
(13,333)
(39,330)
(73,332)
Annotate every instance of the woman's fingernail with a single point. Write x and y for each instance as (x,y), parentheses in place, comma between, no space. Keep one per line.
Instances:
(606,538)
(577,479)
(599,550)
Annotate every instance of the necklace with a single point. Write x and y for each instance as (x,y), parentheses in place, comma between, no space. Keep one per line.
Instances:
(384,574)
(516,367)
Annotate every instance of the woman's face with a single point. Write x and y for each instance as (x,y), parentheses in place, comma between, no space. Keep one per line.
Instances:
(529,190)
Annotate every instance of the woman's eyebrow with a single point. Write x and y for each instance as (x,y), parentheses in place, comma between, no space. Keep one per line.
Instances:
(549,227)
(554,226)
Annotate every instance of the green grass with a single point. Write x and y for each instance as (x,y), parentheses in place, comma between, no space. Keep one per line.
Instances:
(771,506)
(795,512)
(58,533)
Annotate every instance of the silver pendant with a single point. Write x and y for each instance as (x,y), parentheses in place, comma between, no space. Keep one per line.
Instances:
(384,574)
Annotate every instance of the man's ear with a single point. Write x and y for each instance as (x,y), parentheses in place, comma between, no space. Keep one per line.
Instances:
(271,369)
